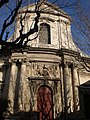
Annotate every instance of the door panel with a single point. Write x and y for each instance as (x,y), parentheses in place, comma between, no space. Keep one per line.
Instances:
(45,103)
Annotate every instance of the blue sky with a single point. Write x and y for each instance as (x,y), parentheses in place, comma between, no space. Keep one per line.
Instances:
(79,39)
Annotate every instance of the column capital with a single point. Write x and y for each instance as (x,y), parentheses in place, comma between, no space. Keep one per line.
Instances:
(23,61)
(74,65)
(13,61)
(67,64)
(18,60)
(64,64)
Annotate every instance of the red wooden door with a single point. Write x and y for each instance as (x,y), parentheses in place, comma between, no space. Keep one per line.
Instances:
(45,103)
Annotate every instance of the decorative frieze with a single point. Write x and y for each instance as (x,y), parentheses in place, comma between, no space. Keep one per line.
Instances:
(45,70)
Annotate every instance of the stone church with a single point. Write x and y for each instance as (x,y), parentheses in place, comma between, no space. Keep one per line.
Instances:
(48,80)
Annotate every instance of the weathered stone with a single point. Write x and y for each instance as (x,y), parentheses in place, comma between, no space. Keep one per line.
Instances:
(44,65)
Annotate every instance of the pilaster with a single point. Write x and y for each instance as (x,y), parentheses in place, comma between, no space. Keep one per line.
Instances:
(76,84)
(67,92)
(24,92)
(12,82)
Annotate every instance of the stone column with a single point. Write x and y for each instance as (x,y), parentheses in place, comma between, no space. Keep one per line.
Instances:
(7,80)
(66,83)
(11,89)
(62,87)
(75,85)
(24,92)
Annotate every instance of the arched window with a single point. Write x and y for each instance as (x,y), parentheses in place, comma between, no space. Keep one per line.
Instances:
(44,34)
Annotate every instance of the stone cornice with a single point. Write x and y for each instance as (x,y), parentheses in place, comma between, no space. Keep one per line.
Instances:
(85,59)
(29,49)
(63,52)
(42,50)
(43,78)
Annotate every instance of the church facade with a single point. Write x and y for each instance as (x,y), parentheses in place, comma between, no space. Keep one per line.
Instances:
(44,79)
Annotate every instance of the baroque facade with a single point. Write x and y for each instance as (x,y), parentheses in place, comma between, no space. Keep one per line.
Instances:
(45,76)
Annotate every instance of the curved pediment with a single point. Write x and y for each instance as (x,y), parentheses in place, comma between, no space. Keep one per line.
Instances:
(47,7)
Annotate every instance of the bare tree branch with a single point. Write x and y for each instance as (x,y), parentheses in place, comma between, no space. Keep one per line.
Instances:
(19,40)
(12,16)
(2,2)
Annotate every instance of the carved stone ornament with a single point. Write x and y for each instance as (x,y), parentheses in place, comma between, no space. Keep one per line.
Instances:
(45,70)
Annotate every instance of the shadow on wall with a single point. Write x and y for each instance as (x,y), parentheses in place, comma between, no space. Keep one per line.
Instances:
(31,115)
(3,107)
(71,116)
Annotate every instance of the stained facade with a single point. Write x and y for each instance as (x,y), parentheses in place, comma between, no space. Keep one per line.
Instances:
(44,79)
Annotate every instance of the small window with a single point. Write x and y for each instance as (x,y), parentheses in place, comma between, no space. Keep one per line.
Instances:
(44,34)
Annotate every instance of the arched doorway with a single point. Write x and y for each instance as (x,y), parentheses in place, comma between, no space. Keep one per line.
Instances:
(45,103)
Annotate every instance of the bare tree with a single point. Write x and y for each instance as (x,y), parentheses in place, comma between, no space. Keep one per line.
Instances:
(2,2)
(82,25)
(81,21)
(81,28)
(18,42)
